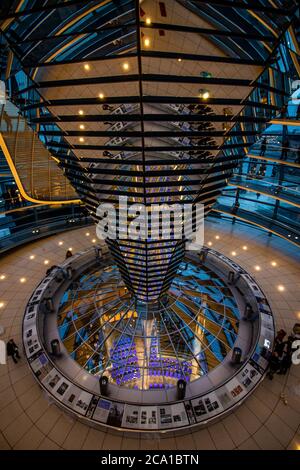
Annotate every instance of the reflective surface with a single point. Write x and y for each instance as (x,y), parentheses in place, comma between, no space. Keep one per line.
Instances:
(184,335)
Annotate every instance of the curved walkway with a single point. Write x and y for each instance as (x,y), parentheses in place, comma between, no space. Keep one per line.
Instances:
(28,419)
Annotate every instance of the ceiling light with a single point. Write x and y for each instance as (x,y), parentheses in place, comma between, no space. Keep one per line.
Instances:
(81,139)
(217,237)
(245,247)
(2,277)
(257,268)
(125,66)
(60,243)
(209,243)
(148,20)
(87,234)
(233,253)
(101,96)
(204,94)
(31,256)
(22,280)
(281,288)
(147,42)
(70,248)
(46,261)
(94,240)
(274,263)
(81,112)
(87,67)
(179,59)
(1,304)
(82,127)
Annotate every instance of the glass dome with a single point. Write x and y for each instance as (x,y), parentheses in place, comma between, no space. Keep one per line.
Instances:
(184,335)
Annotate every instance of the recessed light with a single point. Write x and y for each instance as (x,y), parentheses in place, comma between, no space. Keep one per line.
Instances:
(146,42)
(60,243)
(87,234)
(94,240)
(22,280)
(87,67)
(46,261)
(81,139)
(101,96)
(245,248)
(148,20)
(233,253)
(2,277)
(204,94)
(70,248)
(1,304)
(257,268)
(82,127)
(274,263)
(125,66)
(209,243)
(179,59)
(281,288)
(31,256)
(217,237)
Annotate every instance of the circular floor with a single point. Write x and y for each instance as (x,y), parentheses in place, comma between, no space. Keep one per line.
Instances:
(29,420)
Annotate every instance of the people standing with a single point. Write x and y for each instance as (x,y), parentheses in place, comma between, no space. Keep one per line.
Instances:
(286,360)
(13,350)
(263,147)
(273,365)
